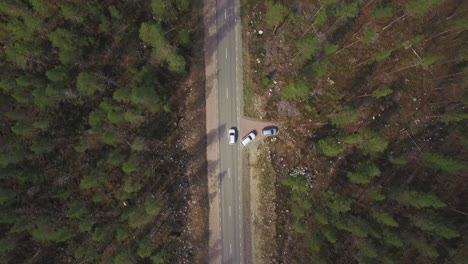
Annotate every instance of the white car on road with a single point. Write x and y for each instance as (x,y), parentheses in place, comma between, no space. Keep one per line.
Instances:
(249,138)
(232,135)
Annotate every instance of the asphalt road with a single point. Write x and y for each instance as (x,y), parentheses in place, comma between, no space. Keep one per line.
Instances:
(228,116)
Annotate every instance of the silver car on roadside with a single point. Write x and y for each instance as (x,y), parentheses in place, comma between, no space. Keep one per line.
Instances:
(249,138)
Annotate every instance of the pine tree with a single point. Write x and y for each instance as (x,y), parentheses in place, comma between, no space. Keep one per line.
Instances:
(152,205)
(343,118)
(88,84)
(383,217)
(418,199)
(424,248)
(434,228)
(444,163)
(363,173)
(330,147)
(275,14)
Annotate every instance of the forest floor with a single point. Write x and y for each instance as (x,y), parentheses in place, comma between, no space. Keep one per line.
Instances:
(270,55)
(192,126)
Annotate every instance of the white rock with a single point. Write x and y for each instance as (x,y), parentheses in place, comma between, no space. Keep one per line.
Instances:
(260,32)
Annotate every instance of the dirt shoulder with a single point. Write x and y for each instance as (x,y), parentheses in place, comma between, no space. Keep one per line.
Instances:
(214,250)
(263,196)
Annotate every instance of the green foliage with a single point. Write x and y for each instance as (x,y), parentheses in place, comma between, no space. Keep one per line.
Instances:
(88,182)
(122,94)
(383,12)
(85,225)
(429,60)
(348,10)
(144,94)
(102,234)
(420,8)
(42,124)
(308,48)
(176,63)
(298,188)
(68,43)
(15,154)
(382,55)
(444,163)
(296,91)
(454,117)
(424,248)
(42,146)
(86,253)
(382,91)
(397,161)
(131,185)
(375,194)
(145,247)
(330,49)
(133,118)
(110,138)
(46,231)
(138,218)
(299,227)
(158,258)
(330,147)
(434,228)
(354,225)
(320,68)
(7,244)
(321,218)
(160,8)
(81,146)
(76,210)
(368,249)
(116,157)
(185,38)
(138,144)
(124,256)
(265,81)
(88,84)
(368,36)
(383,218)
(330,234)
(72,13)
(122,233)
(343,118)
(42,99)
(363,172)
(6,195)
(321,18)
(335,203)
(43,7)
(153,35)
(372,143)
(23,129)
(130,165)
(391,238)
(275,14)
(296,182)
(152,205)
(21,53)
(418,199)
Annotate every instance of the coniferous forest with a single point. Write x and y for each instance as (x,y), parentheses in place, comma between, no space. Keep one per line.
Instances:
(370,97)
(89,171)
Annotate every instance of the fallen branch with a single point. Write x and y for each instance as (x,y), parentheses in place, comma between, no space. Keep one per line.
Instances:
(391,23)
(413,140)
